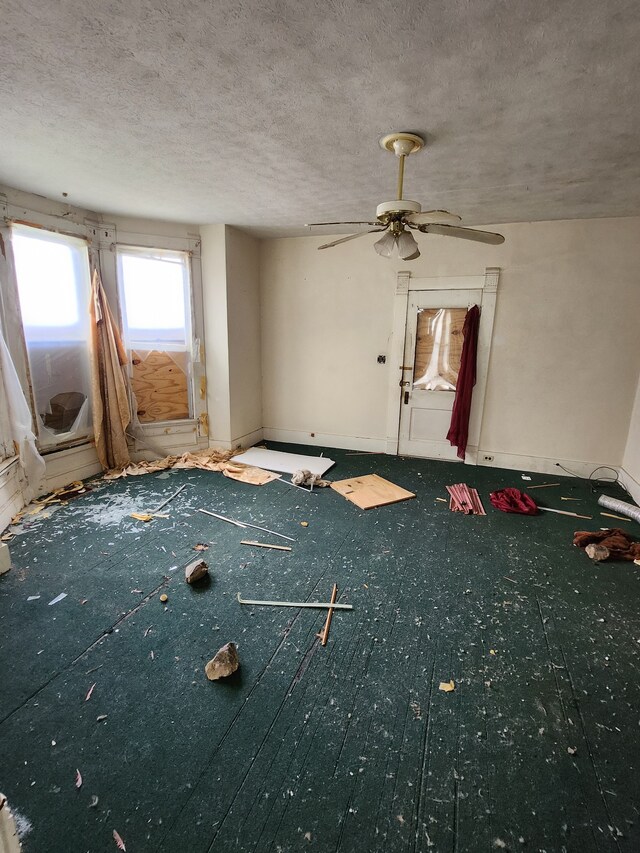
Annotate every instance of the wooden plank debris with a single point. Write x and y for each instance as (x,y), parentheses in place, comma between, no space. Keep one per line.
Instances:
(169,499)
(155,513)
(542,486)
(246,524)
(223,518)
(371,491)
(564,512)
(324,634)
(265,545)
(465,499)
(147,516)
(316,604)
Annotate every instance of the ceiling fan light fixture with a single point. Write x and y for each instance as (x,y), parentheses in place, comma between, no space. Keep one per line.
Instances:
(384,246)
(407,246)
(396,216)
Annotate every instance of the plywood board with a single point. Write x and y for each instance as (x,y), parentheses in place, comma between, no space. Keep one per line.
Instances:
(438,329)
(370,491)
(159,381)
(275,460)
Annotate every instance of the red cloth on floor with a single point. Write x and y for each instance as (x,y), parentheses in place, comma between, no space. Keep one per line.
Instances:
(513,500)
(459,429)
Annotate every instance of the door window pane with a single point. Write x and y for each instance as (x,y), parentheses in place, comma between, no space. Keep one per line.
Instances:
(156,315)
(52,273)
(438,348)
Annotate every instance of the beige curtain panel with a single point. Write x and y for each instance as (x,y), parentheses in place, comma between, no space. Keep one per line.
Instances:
(111,411)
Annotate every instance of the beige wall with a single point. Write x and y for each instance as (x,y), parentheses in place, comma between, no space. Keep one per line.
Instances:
(292,336)
(243,305)
(564,362)
(325,318)
(230,280)
(216,335)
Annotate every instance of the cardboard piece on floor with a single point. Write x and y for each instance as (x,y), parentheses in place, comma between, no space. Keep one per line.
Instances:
(250,474)
(288,463)
(371,491)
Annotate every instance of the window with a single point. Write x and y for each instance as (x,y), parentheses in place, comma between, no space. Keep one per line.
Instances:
(155,299)
(52,274)
(439,342)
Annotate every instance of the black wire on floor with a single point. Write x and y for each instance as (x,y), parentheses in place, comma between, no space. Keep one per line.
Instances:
(598,484)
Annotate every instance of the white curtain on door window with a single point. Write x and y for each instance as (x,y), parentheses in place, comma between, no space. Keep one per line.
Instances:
(20,423)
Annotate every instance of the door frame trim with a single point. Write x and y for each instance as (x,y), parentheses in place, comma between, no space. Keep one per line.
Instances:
(488,283)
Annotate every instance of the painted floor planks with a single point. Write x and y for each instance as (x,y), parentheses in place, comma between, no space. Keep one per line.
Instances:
(347,748)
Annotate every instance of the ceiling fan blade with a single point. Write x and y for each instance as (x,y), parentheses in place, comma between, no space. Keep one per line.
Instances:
(428,216)
(351,237)
(464,233)
(313,224)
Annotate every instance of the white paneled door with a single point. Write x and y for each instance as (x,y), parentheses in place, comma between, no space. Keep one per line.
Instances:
(429,372)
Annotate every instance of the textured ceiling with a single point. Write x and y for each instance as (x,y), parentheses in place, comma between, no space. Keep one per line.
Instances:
(266,114)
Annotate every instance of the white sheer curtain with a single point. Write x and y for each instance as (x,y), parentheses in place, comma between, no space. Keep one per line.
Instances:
(16,423)
(7,449)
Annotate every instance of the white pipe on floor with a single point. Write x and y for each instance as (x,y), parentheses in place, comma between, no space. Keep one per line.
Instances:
(620,506)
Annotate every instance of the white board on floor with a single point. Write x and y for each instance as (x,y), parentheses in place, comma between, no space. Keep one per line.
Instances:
(276,460)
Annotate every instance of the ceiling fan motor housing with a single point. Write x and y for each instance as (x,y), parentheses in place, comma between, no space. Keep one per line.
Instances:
(400,207)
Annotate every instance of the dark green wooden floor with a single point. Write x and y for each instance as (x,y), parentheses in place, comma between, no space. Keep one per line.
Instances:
(346,748)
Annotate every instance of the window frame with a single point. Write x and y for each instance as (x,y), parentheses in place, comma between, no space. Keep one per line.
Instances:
(10,313)
(190,339)
(192,433)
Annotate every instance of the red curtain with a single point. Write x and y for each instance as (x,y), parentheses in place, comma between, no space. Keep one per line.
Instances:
(459,429)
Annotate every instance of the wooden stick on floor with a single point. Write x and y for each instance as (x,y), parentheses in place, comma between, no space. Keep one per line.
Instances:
(169,499)
(542,486)
(564,512)
(265,545)
(318,604)
(324,636)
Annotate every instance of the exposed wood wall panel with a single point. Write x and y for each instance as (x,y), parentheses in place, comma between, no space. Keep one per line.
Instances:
(159,381)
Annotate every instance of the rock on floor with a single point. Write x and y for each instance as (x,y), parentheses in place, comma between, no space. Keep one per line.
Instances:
(224,662)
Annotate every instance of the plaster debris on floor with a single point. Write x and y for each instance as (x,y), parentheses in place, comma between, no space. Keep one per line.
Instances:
(474,675)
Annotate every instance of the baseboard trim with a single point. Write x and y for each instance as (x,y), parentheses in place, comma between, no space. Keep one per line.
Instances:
(538,464)
(249,439)
(321,439)
(630,484)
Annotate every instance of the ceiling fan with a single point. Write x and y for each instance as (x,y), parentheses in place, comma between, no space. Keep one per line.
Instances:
(396,219)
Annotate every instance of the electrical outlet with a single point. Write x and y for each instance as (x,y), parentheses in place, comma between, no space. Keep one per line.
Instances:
(487,458)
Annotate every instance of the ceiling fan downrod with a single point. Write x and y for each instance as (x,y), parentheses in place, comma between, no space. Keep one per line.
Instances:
(400,175)
(402,144)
